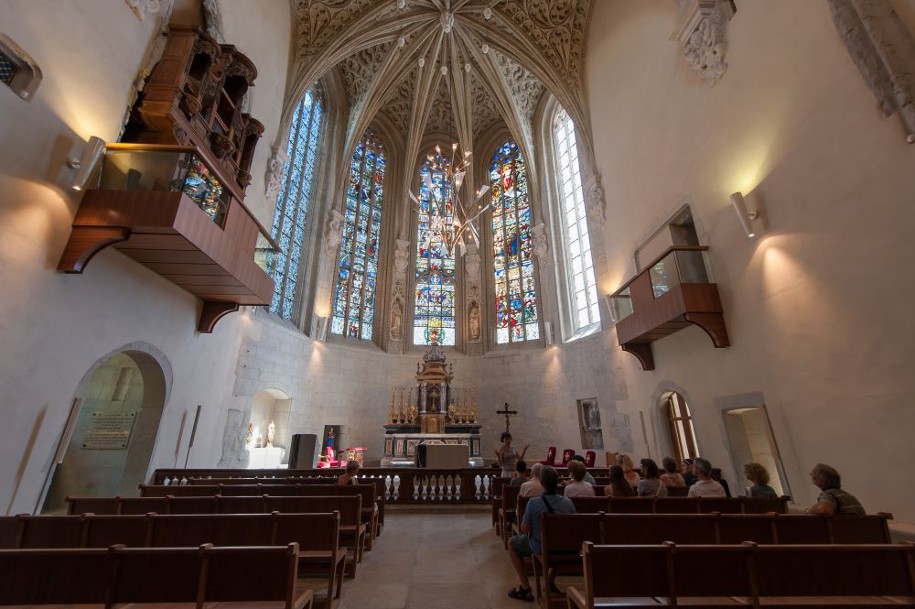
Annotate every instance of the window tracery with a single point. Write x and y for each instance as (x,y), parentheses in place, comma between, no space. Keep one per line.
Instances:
(516,304)
(293,200)
(434,312)
(576,243)
(357,262)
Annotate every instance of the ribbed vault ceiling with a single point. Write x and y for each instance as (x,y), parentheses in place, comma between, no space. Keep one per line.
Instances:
(462,68)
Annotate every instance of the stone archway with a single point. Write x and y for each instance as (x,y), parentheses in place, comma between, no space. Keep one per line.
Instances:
(120,401)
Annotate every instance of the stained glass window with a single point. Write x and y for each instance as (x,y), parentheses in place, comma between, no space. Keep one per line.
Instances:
(576,243)
(512,248)
(357,264)
(292,201)
(433,316)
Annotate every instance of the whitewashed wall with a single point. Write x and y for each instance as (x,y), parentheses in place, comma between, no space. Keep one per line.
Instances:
(819,308)
(55,327)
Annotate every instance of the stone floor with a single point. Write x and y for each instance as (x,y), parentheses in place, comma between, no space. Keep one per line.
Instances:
(447,560)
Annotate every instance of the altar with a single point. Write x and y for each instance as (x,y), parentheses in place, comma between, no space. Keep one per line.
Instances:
(434,413)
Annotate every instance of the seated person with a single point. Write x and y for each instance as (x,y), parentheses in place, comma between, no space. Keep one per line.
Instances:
(689,475)
(833,501)
(625,461)
(650,485)
(588,477)
(705,486)
(671,477)
(520,476)
(759,476)
(532,487)
(618,485)
(578,487)
(349,476)
(528,542)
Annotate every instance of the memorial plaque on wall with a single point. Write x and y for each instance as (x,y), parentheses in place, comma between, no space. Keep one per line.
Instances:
(109,430)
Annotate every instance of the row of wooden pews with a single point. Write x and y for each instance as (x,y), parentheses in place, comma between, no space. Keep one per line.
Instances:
(327,524)
(562,535)
(224,577)
(746,575)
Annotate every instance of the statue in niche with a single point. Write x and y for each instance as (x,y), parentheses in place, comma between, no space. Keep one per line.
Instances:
(474,321)
(397,319)
(271,433)
(249,437)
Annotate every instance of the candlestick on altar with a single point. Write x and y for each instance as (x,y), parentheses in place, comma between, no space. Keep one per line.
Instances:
(473,406)
(400,414)
(391,413)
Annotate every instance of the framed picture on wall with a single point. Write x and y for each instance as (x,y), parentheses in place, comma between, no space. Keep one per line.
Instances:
(589,425)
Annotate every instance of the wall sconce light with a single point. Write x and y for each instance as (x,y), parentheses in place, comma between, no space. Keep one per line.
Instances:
(85,165)
(745,216)
(321,329)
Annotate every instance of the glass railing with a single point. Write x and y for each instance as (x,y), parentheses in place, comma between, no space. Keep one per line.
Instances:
(621,304)
(687,264)
(166,168)
(679,266)
(265,252)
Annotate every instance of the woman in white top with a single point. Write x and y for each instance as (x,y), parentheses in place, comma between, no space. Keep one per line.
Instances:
(578,487)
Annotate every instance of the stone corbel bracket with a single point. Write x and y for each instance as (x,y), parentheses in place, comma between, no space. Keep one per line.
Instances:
(143,7)
(882,47)
(701,33)
(276,172)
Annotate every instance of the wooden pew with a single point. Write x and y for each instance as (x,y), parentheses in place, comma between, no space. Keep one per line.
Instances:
(508,512)
(161,490)
(561,539)
(188,577)
(116,505)
(786,576)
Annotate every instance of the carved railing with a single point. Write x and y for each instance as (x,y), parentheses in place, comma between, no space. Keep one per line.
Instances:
(402,485)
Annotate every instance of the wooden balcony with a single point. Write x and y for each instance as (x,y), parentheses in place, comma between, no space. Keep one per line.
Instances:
(202,242)
(672,292)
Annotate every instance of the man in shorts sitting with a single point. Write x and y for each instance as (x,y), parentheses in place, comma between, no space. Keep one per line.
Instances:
(528,542)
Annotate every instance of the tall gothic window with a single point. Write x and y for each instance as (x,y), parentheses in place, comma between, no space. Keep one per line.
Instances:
(513,259)
(293,199)
(579,270)
(433,316)
(357,264)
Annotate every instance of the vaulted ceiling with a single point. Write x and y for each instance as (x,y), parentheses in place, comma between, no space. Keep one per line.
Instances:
(459,68)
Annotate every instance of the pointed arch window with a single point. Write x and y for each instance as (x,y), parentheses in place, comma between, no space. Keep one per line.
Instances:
(357,263)
(434,312)
(576,243)
(513,255)
(293,200)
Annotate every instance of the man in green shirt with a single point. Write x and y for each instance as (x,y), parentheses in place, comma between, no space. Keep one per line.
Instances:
(833,501)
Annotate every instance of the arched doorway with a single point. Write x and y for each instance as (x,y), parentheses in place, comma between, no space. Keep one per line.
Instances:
(108,448)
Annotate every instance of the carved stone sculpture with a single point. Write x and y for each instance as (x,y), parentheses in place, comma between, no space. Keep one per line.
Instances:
(701,32)
(397,319)
(594,199)
(882,47)
(333,234)
(473,321)
(275,174)
(540,243)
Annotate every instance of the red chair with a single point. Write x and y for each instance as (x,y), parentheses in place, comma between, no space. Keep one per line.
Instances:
(590,458)
(567,455)
(550,456)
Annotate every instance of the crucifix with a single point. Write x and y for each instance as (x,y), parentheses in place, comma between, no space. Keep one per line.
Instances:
(507,414)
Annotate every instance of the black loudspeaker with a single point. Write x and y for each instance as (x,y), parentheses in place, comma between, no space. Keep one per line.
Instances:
(303,451)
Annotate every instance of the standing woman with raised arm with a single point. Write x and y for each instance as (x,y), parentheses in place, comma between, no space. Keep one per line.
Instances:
(507,456)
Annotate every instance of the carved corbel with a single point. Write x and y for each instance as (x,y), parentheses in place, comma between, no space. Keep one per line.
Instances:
(333,232)
(594,199)
(701,33)
(541,243)
(143,7)
(882,47)
(276,171)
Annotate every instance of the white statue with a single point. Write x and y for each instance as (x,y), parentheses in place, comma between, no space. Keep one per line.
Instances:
(271,433)
(401,257)
(397,319)
(474,321)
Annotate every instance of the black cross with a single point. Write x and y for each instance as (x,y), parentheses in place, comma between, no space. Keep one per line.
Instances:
(507,414)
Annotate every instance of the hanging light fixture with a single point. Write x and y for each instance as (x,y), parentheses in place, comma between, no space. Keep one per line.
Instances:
(449,220)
